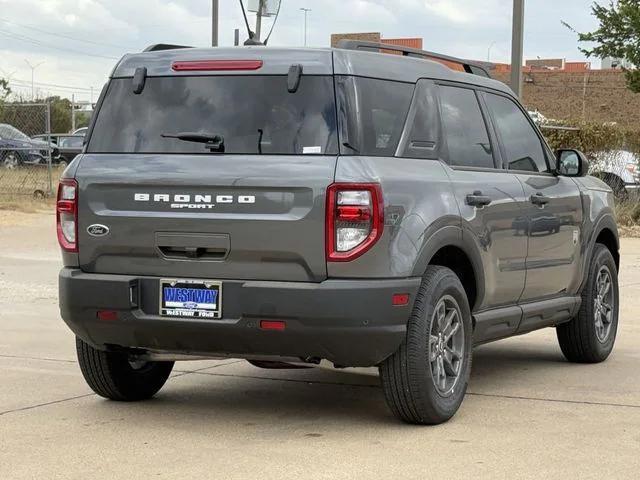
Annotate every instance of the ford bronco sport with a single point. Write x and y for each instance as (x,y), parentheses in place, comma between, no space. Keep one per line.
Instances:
(292,206)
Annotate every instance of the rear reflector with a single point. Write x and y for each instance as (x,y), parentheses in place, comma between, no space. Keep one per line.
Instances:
(107,315)
(272,325)
(400,299)
(216,65)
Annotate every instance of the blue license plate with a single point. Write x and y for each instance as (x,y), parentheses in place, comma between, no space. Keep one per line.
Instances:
(190,298)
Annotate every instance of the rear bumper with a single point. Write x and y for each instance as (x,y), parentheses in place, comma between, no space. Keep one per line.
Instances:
(348,322)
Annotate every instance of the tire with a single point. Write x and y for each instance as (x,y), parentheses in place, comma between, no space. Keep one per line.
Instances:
(112,376)
(408,375)
(583,340)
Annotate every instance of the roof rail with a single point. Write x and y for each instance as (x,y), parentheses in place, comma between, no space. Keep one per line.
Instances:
(469,67)
(156,47)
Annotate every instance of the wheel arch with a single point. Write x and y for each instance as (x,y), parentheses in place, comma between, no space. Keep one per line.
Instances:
(448,248)
(605,232)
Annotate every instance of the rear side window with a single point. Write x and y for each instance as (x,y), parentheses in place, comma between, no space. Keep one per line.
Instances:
(70,142)
(375,112)
(522,146)
(254,115)
(464,128)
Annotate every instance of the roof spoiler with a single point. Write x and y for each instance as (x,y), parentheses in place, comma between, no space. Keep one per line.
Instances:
(469,67)
(157,47)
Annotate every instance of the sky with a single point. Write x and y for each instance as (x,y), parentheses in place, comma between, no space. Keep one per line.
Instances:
(74,44)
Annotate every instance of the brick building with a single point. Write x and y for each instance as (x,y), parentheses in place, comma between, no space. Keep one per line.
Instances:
(376,37)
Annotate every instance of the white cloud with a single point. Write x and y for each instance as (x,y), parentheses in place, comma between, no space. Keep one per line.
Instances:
(452,11)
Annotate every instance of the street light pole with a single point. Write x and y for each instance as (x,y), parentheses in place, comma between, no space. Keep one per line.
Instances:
(306,11)
(517,43)
(33,69)
(214,22)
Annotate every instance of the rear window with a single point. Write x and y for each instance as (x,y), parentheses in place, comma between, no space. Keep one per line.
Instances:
(373,113)
(254,115)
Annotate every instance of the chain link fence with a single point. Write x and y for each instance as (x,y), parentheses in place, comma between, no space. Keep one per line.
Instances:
(28,157)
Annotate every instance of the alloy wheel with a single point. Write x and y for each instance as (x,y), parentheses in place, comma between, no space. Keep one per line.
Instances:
(446,345)
(603,304)
(10,161)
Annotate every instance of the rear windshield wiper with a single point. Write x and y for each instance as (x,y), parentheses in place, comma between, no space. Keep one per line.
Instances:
(215,143)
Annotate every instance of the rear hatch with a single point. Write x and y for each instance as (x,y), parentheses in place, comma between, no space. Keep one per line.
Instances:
(243,198)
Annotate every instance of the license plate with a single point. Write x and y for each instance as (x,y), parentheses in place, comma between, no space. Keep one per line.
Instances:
(191,298)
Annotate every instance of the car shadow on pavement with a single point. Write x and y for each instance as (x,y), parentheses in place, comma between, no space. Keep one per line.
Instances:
(246,395)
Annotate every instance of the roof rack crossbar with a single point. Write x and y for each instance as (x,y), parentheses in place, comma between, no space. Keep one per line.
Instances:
(156,47)
(469,67)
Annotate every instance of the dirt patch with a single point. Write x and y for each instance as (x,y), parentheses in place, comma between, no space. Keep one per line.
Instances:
(23,215)
(629,232)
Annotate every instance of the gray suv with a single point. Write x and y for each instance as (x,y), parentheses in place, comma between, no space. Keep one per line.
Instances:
(293,206)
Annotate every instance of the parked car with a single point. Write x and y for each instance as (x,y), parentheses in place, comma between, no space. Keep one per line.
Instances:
(620,170)
(18,149)
(69,146)
(81,131)
(356,208)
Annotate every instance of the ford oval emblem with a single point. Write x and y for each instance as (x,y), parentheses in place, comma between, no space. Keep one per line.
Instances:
(97,230)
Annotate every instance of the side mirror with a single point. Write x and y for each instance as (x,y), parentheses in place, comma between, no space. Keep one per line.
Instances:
(572,163)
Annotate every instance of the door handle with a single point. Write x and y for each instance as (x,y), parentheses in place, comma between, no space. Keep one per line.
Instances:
(476,199)
(539,199)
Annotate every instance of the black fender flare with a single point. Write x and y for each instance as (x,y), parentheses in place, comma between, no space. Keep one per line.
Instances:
(604,221)
(447,236)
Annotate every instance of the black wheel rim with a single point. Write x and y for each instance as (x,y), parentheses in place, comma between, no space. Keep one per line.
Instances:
(446,345)
(603,304)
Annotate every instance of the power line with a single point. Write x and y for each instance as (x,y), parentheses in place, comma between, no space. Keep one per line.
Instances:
(42,84)
(61,35)
(38,43)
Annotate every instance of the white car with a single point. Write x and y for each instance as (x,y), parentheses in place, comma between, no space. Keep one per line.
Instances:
(619,169)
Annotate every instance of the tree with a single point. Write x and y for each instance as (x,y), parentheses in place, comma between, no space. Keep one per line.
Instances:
(5,91)
(618,36)
(60,114)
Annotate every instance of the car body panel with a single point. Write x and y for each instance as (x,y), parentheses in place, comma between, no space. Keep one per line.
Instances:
(278,236)
(554,236)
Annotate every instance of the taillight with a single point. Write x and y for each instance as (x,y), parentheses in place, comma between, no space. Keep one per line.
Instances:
(67,215)
(355,219)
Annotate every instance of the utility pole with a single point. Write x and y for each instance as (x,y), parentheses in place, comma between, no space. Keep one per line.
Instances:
(517,43)
(33,69)
(73,112)
(259,19)
(214,22)
(306,11)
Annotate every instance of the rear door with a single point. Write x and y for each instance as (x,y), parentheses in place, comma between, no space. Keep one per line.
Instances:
(489,198)
(553,206)
(252,209)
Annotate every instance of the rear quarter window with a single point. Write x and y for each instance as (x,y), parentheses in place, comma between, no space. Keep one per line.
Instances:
(376,111)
